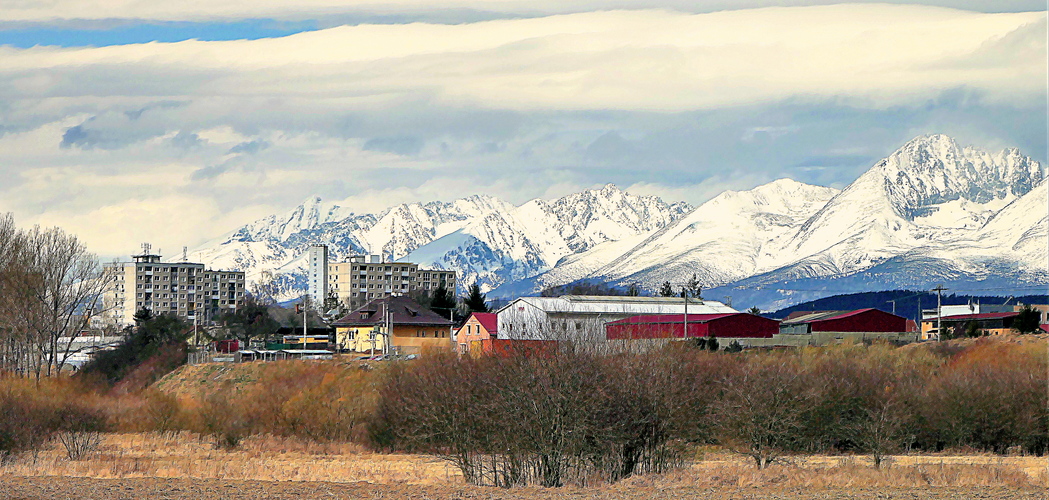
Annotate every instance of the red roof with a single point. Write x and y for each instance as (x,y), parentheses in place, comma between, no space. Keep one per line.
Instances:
(849,313)
(1045,328)
(490,321)
(671,318)
(959,317)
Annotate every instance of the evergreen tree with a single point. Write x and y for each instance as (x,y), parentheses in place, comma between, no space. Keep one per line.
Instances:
(667,290)
(1028,320)
(143,315)
(712,343)
(972,329)
(476,301)
(442,301)
(755,311)
(251,322)
(633,290)
(695,289)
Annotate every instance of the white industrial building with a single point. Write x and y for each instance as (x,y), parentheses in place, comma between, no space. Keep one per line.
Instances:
(584,316)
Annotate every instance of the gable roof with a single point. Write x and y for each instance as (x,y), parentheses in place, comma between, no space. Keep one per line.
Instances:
(588,304)
(490,321)
(404,311)
(814,316)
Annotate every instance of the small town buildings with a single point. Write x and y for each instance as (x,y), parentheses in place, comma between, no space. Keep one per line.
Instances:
(363,278)
(724,326)
(583,317)
(478,327)
(993,319)
(996,323)
(825,327)
(186,290)
(396,325)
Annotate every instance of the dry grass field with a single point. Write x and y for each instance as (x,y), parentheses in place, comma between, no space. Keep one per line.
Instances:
(184,466)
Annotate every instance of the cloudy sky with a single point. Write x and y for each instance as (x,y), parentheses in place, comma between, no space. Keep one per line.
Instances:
(126,121)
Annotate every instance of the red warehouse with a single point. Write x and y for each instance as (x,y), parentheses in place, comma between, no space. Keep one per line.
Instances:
(860,320)
(665,326)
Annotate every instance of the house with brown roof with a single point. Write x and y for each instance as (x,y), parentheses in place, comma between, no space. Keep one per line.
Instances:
(396,325)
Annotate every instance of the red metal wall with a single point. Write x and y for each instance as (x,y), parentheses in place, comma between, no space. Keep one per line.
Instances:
(871,320)
(744,325)
(670,326)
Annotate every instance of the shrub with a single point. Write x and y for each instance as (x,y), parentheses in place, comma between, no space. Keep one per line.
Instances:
(221,417)
(32,413)
(990,397)
(565,417)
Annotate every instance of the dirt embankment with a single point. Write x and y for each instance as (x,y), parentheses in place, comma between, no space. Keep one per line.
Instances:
(60,488)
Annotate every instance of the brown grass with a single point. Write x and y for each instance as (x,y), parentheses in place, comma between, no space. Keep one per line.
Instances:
(269,458)
(266,458)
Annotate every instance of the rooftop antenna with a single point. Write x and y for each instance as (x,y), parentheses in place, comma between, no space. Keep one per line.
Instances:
(145,248)
(185,258)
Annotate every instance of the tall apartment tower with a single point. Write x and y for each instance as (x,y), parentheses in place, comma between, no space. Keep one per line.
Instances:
(317,275)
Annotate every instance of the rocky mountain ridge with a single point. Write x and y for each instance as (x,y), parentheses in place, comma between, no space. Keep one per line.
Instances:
(931,209)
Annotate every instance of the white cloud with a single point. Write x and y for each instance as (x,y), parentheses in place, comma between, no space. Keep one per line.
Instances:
(167,222)
(177,143)
(654,60)
(21,10)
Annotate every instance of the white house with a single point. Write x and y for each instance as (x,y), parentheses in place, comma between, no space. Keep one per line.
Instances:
(584,316)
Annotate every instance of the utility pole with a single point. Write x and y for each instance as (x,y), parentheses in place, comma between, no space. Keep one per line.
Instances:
(939,304)
(684,333)
(921,316)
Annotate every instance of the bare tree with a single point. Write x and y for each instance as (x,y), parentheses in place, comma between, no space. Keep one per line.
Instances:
(759,412)
(52,287)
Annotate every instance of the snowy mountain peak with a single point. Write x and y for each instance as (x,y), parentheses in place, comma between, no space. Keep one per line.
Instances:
(929,201)
(933,169)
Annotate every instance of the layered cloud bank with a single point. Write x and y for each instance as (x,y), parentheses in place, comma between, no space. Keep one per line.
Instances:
(175,142)
(18,10)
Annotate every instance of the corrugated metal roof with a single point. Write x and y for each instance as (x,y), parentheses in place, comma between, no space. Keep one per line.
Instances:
(584,304)
(812,316)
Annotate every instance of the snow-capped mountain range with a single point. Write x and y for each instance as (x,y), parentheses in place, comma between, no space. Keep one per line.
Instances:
(931,212)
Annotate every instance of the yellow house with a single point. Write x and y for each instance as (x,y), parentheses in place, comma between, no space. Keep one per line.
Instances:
(392,324)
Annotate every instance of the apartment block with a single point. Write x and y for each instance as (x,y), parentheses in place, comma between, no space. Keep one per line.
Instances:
(364,278)
(184,289)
